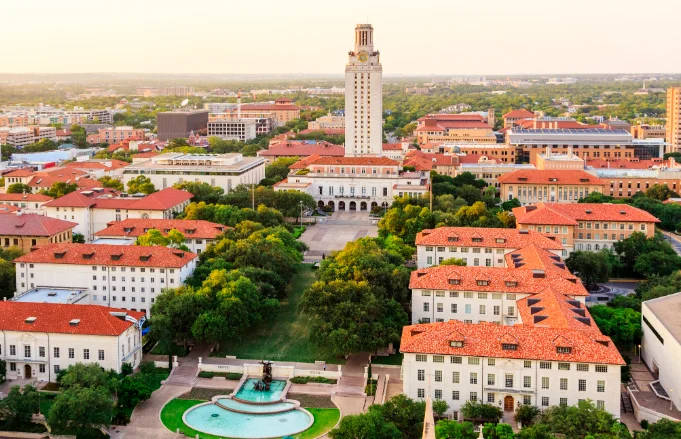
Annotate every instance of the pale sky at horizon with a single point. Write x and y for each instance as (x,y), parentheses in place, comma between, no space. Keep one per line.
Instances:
(493,37)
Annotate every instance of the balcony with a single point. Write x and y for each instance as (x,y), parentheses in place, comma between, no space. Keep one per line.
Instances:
(359,197)
(131,353)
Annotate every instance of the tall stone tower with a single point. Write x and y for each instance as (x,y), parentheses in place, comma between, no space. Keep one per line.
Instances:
(673,119)
(364,96)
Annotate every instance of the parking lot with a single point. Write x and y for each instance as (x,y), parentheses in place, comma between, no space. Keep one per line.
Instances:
(333,232)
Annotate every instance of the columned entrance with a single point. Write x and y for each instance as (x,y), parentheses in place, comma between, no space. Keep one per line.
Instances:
(363,205)
(341,205)
(27,371)
(353,205)
(508,404)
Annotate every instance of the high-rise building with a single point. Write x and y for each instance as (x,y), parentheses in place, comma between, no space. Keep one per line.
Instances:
(673,119)
(363,96)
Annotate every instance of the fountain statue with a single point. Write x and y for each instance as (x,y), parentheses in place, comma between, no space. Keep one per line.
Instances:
(264,384)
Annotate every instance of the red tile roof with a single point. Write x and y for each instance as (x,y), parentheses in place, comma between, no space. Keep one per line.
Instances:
(145,154)
(553,124)
(627,164)
(268,107)
(162,200)
(25,197)
(98,164)
(489,237)
(551,309)
(358,161)
(518,114)
(452,117)
(535,258)
(533,343)
(8,208)
(300,149)
(392,147)
(304,163)
(192,229)
(556,177)
(56,318)
(103,198)
(31,224)
(443,126)
(20,173)
(102,254)
(327,131)
(571,213)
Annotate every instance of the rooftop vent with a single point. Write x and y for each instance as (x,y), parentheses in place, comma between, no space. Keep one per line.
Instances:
(30,319)
(518,264)
(522,178)
(536,309)
(575,303)
(538,274)
(623,212)
(555,257)
(509,347)
(605,343)
(179,254)
(584,180)
(52,294)
(559,265)
(524,232)
(531,302)
(580,311)
(588,211)
(538,319)
(420,274)
(18,226)
(74,322)
(530,208)
(585,320)
(453,238)
(553,179)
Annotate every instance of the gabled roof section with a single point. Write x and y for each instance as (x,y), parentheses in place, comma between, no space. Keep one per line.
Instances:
(491,237)
(31,224)
(192,229)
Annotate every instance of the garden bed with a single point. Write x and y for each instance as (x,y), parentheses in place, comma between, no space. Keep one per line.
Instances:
(306,379)
(162,348)
(204,393)
(226,375)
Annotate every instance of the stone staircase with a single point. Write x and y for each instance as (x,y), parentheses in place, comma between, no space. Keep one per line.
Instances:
(184,375)
(351,385)
(627,407)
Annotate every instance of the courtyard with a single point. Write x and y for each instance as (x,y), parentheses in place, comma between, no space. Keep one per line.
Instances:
(333,232)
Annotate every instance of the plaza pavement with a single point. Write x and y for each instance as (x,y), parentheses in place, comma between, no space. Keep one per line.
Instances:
(333,232)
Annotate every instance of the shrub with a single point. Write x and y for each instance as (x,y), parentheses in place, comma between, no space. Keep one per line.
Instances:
(645,424)
(206,374)
(233,376)
(148,368)
(126,369)
(526,414)
(306,379)
(480,411)
(120,418)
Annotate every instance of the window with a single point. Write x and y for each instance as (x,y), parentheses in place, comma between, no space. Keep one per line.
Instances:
(454,308)
(41,351)
(438,359)
(27,351)
(421,358)
(545,365)
(455,395)
(456,377)
(601,368)
(421,393)
(527,364)
(600,405)
(426,306)
(438,376)
(496,310)
(474,360)
(473,396)
(527,400)
(467,308)
(438,394)
(491,379)
(527,382)
(467,295)
(41,368)
(456,360)
(509,380)
(56,368)
(563,366)
(563,402)
(491,361)
(101,355)
(72,353)
(544,382)
(563,384)
(582,368)
(13,367)
(13,350)
(600,386)
(483,309)
(544,401)
(581,385)
(421,375)
(56,353)
(474,378)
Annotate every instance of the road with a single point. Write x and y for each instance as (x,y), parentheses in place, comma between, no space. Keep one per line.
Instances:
(673,240)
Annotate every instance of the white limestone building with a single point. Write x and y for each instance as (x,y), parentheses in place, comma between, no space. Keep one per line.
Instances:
(363,96)
(40,339)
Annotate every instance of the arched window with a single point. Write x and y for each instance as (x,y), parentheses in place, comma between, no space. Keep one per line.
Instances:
(596,247)
(588,247)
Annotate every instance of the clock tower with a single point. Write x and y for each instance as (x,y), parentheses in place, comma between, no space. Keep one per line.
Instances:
(364,96)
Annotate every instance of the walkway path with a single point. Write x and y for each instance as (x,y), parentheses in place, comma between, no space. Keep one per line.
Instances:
(673,240)
(333,232)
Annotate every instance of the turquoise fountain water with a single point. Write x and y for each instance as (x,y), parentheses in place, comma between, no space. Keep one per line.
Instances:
(251,414)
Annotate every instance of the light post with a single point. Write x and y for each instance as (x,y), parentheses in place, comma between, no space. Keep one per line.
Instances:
(639,353)
(301,215)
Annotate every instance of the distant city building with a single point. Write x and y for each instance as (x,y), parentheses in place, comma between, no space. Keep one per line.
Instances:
(514,116)
(237,129)
(500,152)
(363,96)
(561,81)
(225,170)
(550,160)
(24,136)
(645,131)
(113,135)
(27,230)
(473,80)
(27,203)
(489,170)
(179,124)
(164,91)
(42,339)
(469,128)
(329,121)
(585,226)
(219,107)
(673,119)
(555,186)
(417,90)
(45,178)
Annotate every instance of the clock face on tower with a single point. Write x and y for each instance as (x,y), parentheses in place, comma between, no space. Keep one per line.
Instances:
(363,56)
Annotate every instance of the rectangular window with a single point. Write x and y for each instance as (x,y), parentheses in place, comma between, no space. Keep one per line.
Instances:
(600,386)
(455,395)
(491,361)
(601,368)
(474,361)
(56,353)
(527,364)
(456,377)
(421,375)
(544,382)
(438,359)
(41,351)
(13,350)
(56,368)
(582,368)
(421,393)
(509,380)
(86,354)
(421,358)
(490,398)
(72,353)
(544,401)
(527,400)
(563,366)
(42,368)
(581,385)
(438,394)
(563,402)
(456,360)
(454,308)
(101,355)
(438,376)
(491,379)
(474,378)
(563,384)
(467,309)
(27,351)
(527,382)
(474,396)
(600,405)
(545,365)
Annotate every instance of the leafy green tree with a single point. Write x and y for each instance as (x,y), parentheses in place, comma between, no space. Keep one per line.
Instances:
(447,429)
(41,146)
(580,421)
(78,238)
(201,191)
(18,188)
(597,197)
(366,426)
(498,431)
(141,184)
(526,414)
(279,169)
(18,407)
(212,327)
(662,429)
(454,261)
(7,279)
(657,263)
(349,317)
(154,237)
(59,189)
(112,183)
(537,431)
(84,375)
(81,409)
(510,204)
(479,411)
(440,406)
(660,192)
(405,222)
(591,267)
(173,314)
(133,390)
(405,413)
(623,325)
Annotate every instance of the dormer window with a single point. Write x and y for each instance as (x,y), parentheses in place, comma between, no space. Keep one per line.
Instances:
(145,258)
(509,346)
(59,255)
(482,283)
(500,240)
(477,239)
(511,283)
(455,343)
(563,349)
(116,257)
(454,281)
(453,239)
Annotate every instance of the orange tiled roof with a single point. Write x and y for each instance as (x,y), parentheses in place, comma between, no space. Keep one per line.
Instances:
(551,309)
(627,164)
(357,161)
(301,149)
(102,254)
(484,237)
(56,318)
(32,225)
(571,213)
(533,343)
(518,114)
(192,229)
(103,198)
(540,176)
(25,197)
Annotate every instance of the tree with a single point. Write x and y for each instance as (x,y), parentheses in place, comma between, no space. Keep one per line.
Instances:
(510,204)
(112,183)
(349,317)
(454,261)
(84,375)
(526,414)
(577,422)
(365,426)
(405,413)
(440,406)
(591,267)
(447,429)
(173,314)
(657,263)
(141,184)
(59,189)
(623,325)
(662,429)
(78,238)
(201,191)
(212,327)
(81,409)
(18,188)
(154,237)
(18,407)
(498,431)
(279,169)
(133,390)
(660,192)
(479,411)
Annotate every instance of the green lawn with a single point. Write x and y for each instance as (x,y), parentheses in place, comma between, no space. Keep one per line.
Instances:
(284,337)
(171,416)
(394,359)
(161,348)
(46,401)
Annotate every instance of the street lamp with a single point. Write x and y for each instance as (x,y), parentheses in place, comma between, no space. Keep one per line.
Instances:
(639,353)
(301,215)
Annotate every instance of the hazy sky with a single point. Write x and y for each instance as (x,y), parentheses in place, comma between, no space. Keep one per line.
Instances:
(308,36)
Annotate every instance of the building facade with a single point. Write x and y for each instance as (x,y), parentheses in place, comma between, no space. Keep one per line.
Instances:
(673,134)
(468,128)
(180,124)
(585,226)
(113,135)
(561,186)
(28,230)
(363,96)
(124,276)
(27,203)
(41,339)
(329,121)
(239,129)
